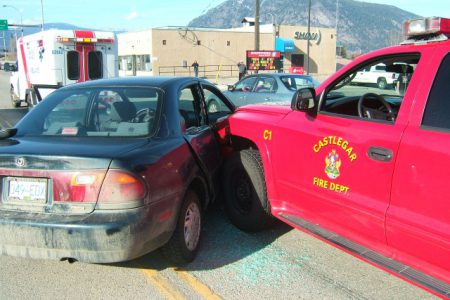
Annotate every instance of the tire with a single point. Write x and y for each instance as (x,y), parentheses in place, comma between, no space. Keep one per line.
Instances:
(245,192)
(14,99)
(182,247)
(213,106)
(381,83)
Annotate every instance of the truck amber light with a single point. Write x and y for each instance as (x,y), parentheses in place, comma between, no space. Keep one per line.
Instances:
(120,187)
(421,27)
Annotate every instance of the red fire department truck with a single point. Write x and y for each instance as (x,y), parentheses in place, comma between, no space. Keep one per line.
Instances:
(54,58)
(363,168)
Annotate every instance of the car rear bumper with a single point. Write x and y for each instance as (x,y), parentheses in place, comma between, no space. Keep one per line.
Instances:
(100,237)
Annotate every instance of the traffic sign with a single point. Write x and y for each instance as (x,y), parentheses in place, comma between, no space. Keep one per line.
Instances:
(3,24)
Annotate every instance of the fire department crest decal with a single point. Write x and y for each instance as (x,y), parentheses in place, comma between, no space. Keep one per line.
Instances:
(333,163)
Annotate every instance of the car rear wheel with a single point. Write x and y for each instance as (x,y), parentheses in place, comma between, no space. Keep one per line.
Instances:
(183,245)
(382,84)
(246,201)
(14,99)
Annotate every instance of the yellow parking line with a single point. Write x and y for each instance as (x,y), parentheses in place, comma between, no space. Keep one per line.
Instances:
(165,288)
(198,286)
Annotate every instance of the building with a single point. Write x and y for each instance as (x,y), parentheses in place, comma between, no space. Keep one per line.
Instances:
(172,50)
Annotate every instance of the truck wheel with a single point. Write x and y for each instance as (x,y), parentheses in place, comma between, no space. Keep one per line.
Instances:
(14,99)
(246,201)
(381,83)
(183,245)
(213,106)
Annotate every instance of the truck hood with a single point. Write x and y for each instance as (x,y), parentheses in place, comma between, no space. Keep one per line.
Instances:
(273,108)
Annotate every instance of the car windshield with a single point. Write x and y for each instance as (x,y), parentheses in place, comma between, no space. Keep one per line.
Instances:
(108,111)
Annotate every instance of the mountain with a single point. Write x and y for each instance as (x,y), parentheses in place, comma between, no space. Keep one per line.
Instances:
(361,26)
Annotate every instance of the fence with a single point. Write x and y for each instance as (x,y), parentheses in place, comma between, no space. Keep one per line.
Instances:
(207,71)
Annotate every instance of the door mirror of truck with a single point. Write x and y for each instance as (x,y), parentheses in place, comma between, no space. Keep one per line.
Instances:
(304,100)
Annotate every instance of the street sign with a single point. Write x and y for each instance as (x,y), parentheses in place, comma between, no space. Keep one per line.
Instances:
(3,24)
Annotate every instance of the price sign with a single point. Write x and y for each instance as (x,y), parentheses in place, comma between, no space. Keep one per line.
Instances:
(264,60)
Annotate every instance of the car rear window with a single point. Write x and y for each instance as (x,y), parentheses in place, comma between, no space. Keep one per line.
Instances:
(95,112)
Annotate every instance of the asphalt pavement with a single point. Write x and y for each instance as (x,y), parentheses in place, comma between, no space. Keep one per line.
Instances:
(280,263)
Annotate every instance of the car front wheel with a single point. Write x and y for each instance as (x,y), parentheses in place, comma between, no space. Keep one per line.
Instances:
(246,201)
(183,245)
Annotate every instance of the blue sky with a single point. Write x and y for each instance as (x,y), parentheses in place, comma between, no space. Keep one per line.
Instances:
(144,14)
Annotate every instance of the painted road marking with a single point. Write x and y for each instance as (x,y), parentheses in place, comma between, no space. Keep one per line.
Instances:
(198,286)
(166,289)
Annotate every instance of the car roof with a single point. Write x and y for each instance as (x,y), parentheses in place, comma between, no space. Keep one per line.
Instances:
(142,81)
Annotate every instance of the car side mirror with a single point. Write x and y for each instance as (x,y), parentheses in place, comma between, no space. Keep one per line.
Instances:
(231,87)
(7,133)
(304,100)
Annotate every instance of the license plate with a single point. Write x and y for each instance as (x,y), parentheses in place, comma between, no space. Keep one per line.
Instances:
(33,190)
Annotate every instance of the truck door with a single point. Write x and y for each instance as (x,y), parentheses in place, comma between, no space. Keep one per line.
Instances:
(336,167)
(418,219)
(84,61)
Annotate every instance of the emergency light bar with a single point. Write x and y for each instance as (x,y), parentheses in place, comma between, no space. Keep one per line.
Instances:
(83,40)
(426,26)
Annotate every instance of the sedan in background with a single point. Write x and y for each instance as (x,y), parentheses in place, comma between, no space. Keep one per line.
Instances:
(109,170)
(265,88)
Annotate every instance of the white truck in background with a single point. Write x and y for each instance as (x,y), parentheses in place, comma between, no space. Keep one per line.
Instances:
(53,58)
(376,75)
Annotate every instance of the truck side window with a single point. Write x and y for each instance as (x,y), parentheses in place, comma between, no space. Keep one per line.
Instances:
(73,65)
(372,92)
(95,61)
(437,110)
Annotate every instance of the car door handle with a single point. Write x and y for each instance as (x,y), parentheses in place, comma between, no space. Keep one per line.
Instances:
(381,154)
(267,99)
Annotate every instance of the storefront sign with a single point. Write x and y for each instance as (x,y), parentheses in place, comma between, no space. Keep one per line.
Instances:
(312,36)
(264,60)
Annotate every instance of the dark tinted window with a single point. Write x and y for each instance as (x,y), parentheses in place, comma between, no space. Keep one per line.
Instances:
(95,60)
(437,112)
(73,65)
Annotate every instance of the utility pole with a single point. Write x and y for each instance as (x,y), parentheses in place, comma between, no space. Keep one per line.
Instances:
(257,25)
(308,37)
(42,14)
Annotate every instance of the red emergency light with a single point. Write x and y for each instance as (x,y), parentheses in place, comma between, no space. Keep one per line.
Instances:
(426,26)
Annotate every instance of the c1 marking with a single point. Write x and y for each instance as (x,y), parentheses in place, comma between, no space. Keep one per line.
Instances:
(267,135)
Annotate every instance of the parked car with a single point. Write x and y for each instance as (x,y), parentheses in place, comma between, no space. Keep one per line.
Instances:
(258,88)
(109,170)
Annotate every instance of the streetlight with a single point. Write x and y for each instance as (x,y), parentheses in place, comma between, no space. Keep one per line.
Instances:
(274,24)
(20,13)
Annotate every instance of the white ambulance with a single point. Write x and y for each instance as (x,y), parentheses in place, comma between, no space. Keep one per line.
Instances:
(50,59)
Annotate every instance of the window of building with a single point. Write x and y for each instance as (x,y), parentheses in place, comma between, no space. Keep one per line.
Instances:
(228,43)
(164,42)
(199,42)
(73,65)
(143,62)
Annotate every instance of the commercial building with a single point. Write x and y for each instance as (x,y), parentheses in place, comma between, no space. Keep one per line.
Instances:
(172,50)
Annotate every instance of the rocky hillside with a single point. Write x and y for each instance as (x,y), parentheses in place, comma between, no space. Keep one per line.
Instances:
(361,26)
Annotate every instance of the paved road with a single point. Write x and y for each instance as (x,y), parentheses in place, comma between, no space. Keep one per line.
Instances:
(281,263)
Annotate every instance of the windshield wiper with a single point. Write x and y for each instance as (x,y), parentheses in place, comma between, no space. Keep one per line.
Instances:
(7,133)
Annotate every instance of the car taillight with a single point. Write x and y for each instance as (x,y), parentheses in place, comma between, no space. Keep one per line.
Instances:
(80,186)
(121,187)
